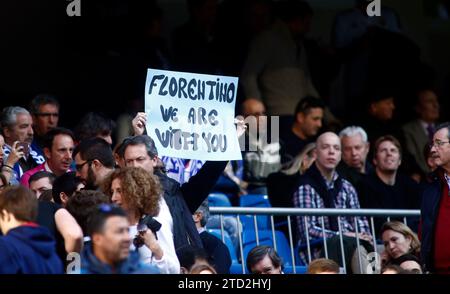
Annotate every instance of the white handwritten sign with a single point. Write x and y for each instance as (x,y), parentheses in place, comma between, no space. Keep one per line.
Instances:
(192,115)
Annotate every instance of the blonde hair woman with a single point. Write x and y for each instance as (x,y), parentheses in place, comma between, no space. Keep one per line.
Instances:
(401,246)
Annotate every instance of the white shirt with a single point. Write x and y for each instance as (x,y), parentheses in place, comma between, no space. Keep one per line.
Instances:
(169,263)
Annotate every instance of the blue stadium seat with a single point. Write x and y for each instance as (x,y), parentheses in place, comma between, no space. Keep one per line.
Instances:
(254,200)
(219,200)
(248,223)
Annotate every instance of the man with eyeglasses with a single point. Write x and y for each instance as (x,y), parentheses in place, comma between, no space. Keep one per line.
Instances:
(44,110)
(93,162)
(435,212)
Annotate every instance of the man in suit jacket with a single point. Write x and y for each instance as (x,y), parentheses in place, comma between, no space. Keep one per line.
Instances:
(419,132)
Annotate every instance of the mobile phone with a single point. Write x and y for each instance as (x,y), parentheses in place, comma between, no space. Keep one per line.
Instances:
(25,147)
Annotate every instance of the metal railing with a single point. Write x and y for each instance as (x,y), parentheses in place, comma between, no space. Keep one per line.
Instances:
(238,212)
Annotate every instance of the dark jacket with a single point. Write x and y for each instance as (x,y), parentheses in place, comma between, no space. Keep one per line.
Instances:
(184,200)
(431,198)
(90,264)
(29,249)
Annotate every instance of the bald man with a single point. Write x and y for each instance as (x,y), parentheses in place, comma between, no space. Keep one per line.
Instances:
(322,187)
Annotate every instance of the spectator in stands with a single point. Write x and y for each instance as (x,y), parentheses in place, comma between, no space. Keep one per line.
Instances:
(386,187)
(40,182)
(83,203)
(435,251)
(109,251)
(261,155)
(7,164)
(139,194)
(307,123)
(355,147)
(217,251)
(18,133)
(93,162)
(282,185)
(95,125)
(25,247)
(65,186)
(44,109)
(322,187)
(323,266)
(401,246)
(264,260)
(281,80)
(379,119)
(58,145)
(419,132)
(183,201)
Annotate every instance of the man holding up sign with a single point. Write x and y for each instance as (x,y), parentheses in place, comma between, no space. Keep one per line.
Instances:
(142,151)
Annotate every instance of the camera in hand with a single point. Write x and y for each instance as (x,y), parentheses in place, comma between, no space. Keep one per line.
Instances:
(147,222)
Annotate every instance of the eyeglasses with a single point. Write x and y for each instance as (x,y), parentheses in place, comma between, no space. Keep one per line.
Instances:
(78,167)
(438,143)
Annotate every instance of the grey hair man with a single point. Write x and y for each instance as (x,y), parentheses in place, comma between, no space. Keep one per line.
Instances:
(18,132)
(355,147)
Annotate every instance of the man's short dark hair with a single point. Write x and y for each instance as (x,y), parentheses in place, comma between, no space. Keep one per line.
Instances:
(95,148)
(92,125)
(139,140)
(40,175)
(50,136)
(188,255)
(445,125)
(83,203)
(309,102)
(42,99)
(259,252)
(99,216)
(67,183)
(19,201)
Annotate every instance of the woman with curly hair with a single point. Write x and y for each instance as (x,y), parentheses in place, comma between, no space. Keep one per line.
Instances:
(139,194)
